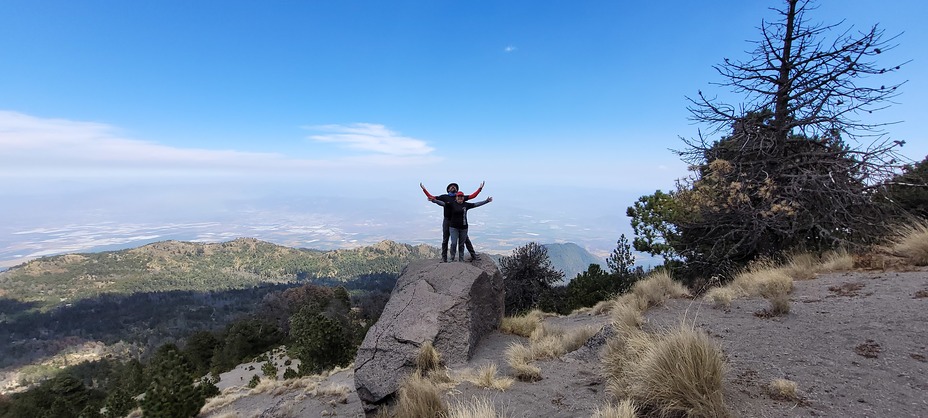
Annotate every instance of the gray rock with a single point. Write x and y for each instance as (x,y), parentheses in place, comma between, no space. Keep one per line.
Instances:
(451,304)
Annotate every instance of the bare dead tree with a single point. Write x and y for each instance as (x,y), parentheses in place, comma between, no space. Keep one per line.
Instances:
(798,164)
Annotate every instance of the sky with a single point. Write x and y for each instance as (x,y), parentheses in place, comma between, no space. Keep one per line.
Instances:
(171,111)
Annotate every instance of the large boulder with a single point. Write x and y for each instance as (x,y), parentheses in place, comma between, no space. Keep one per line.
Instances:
(452,305)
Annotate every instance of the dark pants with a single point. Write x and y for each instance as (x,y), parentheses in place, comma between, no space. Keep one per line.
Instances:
(458,237)
(446,234)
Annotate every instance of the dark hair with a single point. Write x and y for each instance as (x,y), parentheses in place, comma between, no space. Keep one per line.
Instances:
(448,189)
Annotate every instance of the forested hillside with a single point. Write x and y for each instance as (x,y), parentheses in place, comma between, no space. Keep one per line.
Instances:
(172,265)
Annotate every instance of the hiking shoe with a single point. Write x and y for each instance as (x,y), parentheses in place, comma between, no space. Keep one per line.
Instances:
(474,257)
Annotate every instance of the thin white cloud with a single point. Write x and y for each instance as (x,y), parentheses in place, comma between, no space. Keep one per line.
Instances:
(372,138)
(32,146)
(509,48)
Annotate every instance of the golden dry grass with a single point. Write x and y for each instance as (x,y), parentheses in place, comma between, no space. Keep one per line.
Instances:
(486,377)
(519,357)
(652,291)
(626,316)
(337,390)
(419,397)
(522,325)
(603,306)
(801,266)
(760,279)
(624,409)
(783,389)
(680,373)
(805,266)
(476,408)
(911,243)
(549,341)
(676,372)
(779,305)
(721,296)
(839,260)
(428,358)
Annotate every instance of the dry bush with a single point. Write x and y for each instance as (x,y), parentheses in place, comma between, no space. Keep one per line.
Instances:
(626,316)
(477,408)
(419,397)
(486,377)
(783,389)
(522,325)
(680,374)
(625,409)
(911,243)
(428,359)
(519,358)
(654,290)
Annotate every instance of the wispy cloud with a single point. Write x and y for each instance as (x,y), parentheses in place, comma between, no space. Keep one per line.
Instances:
(372,138)
(509,48)
(32,145)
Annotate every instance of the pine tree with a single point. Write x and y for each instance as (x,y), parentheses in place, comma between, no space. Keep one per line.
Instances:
(172,392)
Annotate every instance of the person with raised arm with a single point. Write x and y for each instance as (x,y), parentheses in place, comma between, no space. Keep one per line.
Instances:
(452,191)
(457,225)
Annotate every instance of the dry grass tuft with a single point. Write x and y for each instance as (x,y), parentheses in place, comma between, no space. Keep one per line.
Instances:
(764,281)
(626,316)
(549,341)
(338,390)
(621,353)
(679,373)
(625,409)
(801,266)
(520,358)
(783,389)
(428,358)
(477,408)
(839,260)
(603,306)
(218,402)
(779,305)
(522,325)
(581,311)
(486,377)
(911,243)
(721,297)
(419,397)
(654,290)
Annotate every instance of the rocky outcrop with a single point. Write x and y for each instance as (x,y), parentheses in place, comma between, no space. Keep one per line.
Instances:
(452,305)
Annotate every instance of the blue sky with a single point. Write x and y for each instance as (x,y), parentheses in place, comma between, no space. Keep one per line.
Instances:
(372,97)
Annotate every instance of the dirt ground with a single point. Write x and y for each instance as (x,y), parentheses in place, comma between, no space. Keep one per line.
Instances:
(855,343)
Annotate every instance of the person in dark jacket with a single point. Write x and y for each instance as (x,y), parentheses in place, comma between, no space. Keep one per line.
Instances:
(458,223)
(449,197)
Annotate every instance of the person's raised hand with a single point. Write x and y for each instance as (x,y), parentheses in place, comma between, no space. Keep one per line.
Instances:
(481,184)
(489,199)
(420,185)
